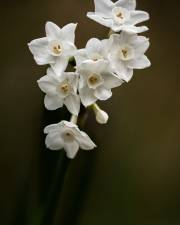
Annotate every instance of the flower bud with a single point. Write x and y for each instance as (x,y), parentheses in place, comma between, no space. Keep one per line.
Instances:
(102,117)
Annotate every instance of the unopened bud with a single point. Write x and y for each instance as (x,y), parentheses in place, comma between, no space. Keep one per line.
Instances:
(101,116)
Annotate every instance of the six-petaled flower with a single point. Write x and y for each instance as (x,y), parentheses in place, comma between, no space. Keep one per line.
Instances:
(68,136)
(119,16)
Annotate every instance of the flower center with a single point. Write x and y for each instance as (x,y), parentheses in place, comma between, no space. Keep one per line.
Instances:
(120,15)
(55,48)
(64,88)
(68,136)
(94,80)
(126,53)
(95,57)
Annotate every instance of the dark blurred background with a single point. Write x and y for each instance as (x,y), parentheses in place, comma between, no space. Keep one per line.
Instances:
(133,177)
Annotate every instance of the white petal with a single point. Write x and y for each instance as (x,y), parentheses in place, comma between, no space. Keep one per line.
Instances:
(71,149)
(52,31)
(69,49)
(115,41)
(72,103)
(141,45)
(39,48)
(87,96)
(134,29)
(80,56)
(68,32)
(53,102)
(120,68)
(73,80)
(50,128)
(99,19)
(65,123)
(128,4)
(102,93)
(53,141)
(104,6)
(84,141)
(138,16)
(112,81)
(60,64)
(48,85)
(93,45)
(98,67)
(139,63)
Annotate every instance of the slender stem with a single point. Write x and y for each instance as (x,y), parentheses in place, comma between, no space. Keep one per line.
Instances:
(74,119)
(55,193)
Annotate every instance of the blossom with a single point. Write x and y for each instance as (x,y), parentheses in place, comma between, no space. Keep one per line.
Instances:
(68,136)
(96,81)
(127,53)
(94,50)
(119,16)
(56,48)
(60,90)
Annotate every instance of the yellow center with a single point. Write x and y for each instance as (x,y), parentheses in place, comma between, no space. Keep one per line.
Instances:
(65,88)
(125,53)
(120,15)
(93,79)
(57,49)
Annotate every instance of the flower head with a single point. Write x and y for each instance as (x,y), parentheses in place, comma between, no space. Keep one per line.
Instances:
(127,53)
(60,90)
(56,48)
(68,136)
(96,81)
(119,16)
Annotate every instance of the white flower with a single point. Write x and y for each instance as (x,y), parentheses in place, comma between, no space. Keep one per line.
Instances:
(101,116)
(96,81)
(127,53)
(56,48)
(94,51)
(118,16)
(60,90)
(68,136)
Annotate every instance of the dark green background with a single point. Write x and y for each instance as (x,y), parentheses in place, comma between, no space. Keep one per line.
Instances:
(133,177)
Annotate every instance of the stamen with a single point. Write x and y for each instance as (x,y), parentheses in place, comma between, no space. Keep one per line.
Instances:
(120,15)
(93,79)
(125,53)
(57,49)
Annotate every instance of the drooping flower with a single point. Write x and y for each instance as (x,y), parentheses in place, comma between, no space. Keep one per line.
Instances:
(68,136)
(60,90)
(127,53)
(56,48)
(119,16)
(94,51)
(96,81)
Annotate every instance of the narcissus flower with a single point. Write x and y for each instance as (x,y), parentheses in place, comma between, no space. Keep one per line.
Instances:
(60,90)
(127,53)
(56,48)
(96,81)
(94,51)
(119,16)
(68,136)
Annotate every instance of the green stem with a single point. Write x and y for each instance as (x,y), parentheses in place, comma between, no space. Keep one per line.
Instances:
(57,188)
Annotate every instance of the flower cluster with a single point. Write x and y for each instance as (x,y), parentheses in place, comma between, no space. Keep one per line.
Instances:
(101,66)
